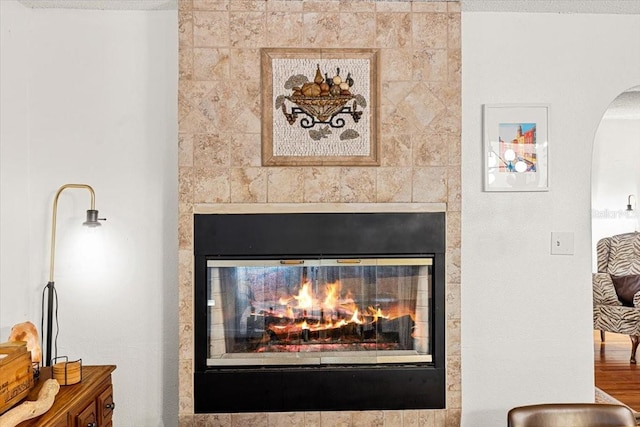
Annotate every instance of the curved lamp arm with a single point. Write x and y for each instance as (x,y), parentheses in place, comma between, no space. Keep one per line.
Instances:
(92,219)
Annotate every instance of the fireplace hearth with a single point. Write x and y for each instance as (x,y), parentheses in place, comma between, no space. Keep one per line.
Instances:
(319,311)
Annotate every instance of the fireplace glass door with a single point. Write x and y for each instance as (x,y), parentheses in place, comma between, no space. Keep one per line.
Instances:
(319,311)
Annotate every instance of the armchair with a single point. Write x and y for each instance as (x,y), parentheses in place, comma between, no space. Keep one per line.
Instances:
(616,292)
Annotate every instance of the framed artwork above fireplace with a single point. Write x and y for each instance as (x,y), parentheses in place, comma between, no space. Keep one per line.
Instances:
(320,107)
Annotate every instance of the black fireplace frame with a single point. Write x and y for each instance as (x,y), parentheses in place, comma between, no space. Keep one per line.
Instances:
(227,389)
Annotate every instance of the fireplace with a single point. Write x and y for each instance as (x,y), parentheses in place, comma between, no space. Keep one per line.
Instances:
(319,311)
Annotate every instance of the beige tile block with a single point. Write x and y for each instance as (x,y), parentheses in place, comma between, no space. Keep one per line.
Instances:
(396,150)
(448,92)
(454,373)
(233,106)
(185,63)
(185,149)
(357,6)
(321,185)
(430,149)
(418,418)
(185,184)
(393,30)
(211,5)
(220,104)
(393,419)
(357,29)
(430,65)
(421,107)
(321,6)
(368,419)
(185,227)
(397,64)
(455,150)
(249,420)
(210,151)
(211,63)
(248,185)
(439,418)
(454,190)
(185,386)
(452,335)
(213,420)
(248,5)
(312,419)
(195,122)
(429,30)
(184,103)
(395,92)
(453,7)
(193,92)
(210,29)
(445,121)
(284,29)
(186,421)
(454,31)
(286,419)
(453,265)
(321,29)
(211,185)
(452,300)
(358,185)
(394,185)
(290,6)
(185,286)
(430,184)
(454,222)
(246,149)
(453,417)
(185,5)
(393,6)
(455,65)
(393,121)
(335,419)
(429,6)
(185,29)
(245,64)
(247,29)
(185,341)
(285,185)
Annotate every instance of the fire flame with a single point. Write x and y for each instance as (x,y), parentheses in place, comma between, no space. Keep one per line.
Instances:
(331,310)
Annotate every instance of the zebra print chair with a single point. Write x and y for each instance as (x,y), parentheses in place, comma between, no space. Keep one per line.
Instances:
(618,256)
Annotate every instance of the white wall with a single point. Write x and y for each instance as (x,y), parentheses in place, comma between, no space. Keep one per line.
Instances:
(90,97)
(526,314)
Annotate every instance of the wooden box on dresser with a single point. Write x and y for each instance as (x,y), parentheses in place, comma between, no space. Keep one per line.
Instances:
(88,403)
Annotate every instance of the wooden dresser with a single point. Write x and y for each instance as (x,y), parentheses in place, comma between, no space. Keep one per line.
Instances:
(86,404)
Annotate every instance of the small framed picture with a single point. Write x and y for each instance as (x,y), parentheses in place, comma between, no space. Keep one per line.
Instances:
(516,147)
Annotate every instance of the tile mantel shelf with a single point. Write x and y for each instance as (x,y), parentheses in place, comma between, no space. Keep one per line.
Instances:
(234,208)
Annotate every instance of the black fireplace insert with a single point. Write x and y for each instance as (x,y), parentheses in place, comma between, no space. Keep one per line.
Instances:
(319,311)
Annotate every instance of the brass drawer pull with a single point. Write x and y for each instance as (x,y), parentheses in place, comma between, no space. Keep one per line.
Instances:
(291,261)
(348,261)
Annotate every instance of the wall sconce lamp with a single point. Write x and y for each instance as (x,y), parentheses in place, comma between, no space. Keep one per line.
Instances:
(629,207)
(92,221)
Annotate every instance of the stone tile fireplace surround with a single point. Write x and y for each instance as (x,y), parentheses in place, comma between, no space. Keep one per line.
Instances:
(219,149)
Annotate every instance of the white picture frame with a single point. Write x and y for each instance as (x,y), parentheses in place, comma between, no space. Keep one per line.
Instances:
(516,147)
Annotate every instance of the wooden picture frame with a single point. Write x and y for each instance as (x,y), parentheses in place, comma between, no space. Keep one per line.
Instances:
(320,107)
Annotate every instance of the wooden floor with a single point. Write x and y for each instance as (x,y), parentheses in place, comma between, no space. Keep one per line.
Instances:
(613,373)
